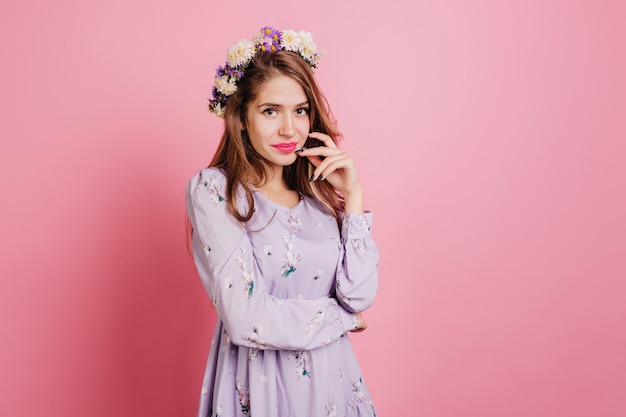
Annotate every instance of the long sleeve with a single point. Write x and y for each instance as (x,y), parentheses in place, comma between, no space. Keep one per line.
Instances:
(227,267)
(357,276)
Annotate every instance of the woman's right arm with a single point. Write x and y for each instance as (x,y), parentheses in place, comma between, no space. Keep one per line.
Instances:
(227,267)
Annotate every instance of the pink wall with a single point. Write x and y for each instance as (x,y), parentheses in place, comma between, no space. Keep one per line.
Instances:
(490,137)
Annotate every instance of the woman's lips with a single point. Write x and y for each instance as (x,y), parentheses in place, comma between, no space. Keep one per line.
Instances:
(286,147)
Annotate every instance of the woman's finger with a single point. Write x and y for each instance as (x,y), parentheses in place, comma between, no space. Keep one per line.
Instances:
(328,141)
(318,154)
(333,163)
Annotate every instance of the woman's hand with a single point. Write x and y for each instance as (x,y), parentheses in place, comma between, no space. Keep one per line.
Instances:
(338,169)
(362,324)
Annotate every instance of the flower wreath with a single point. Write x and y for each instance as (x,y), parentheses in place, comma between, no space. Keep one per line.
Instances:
(268,39)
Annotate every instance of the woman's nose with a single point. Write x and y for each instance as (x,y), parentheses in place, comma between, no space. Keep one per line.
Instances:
(287,127)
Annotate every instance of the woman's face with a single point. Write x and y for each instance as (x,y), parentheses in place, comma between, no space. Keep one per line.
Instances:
(277,121)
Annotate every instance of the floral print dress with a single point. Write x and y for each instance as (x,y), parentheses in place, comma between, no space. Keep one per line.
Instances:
(286,288)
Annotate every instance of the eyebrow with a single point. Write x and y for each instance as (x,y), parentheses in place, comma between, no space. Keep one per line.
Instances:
(303,104)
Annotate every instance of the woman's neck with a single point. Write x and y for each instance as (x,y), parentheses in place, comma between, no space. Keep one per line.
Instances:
(274,183)
(275,189)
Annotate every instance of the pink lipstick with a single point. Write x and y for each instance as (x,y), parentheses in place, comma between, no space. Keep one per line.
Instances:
(286,147)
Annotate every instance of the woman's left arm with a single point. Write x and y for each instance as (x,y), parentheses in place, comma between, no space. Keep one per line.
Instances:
(357,273)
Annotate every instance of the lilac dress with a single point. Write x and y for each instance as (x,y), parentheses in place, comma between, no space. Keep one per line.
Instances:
(286,290)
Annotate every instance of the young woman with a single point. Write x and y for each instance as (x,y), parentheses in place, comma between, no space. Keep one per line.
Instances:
(281,241)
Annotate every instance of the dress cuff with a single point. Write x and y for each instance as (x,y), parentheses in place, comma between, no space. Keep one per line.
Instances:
(356,226)
(350,322)
(345,319)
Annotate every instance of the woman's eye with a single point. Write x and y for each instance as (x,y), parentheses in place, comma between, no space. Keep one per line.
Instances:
(270,112)
(302,111)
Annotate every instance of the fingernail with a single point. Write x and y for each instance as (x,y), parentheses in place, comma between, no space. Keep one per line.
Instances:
(320,178)
(300,150)
(312,176)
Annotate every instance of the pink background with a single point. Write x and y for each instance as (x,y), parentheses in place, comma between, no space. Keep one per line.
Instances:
(490,139)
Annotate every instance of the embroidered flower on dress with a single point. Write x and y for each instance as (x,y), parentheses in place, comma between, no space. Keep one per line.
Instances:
(331,409)
(246,275)
(267,249)
(228,282)
(291,260)
(213,186)
(253,354)
(357,390)
(364,224)
(255,338)
(314,322)
(244,398)
(294,222)
(264,379)
(346,301)
(356,222)
(319,273)
(225,341)
(302,358)
(205,248)
(358,245)
(355,320)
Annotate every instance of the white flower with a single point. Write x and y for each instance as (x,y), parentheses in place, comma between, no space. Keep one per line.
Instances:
(306,37)
(291,40)
(307,47)
(218,110)
(315,60)
(225,85)
(240,53)
(259,37)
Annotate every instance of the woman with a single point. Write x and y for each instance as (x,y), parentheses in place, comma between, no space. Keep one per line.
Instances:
(281,241)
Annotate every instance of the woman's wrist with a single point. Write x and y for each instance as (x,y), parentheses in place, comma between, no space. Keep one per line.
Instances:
(353,201)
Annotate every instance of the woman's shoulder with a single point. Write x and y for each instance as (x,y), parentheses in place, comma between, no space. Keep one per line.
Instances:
(210,173)
(211,180)
(207,178)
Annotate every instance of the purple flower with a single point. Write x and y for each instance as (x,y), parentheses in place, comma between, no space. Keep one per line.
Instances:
(271,39)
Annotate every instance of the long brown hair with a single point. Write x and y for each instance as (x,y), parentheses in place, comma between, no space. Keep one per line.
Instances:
(236,157)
